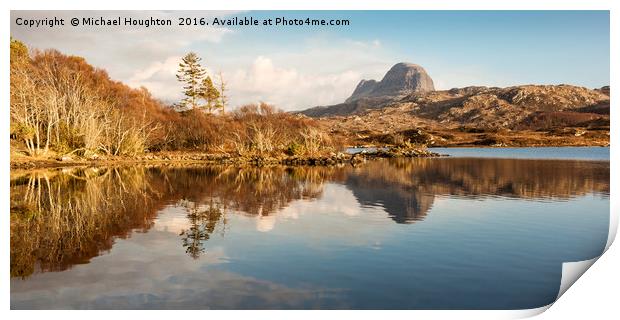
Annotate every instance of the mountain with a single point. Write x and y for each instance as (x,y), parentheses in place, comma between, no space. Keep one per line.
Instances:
(401,80)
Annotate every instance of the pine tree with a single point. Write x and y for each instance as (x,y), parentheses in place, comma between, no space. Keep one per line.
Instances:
(191,73)
(223,98)
(209,93)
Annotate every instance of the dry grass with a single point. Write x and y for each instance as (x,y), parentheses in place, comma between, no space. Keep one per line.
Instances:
(61,105)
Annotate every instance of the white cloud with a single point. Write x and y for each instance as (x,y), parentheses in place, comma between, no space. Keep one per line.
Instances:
(159,77)
(261,80)
(119,49)
(316,70)
(367,44)
(289,88)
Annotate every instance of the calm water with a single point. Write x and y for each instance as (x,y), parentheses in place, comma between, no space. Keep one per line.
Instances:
(449,233)
(575,153)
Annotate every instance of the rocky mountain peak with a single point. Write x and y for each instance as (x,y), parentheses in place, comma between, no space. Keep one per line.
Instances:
(402,79)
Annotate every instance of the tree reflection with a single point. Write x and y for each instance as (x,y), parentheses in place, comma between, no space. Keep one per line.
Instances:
(60,218)
(202,224)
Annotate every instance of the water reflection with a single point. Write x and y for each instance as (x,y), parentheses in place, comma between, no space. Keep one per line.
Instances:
(66,217)
(203,222)
(407,188)
(62,218)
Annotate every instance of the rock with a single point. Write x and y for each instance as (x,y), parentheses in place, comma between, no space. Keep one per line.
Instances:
(65,158)
(402,79)
(357,158)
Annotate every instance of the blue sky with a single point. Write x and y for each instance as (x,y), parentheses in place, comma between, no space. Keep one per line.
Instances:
(300,66)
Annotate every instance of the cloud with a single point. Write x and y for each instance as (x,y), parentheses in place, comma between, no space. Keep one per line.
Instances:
(260,80)
(289,88)
(119,49)
(367,44)
(160,78)
(317,69)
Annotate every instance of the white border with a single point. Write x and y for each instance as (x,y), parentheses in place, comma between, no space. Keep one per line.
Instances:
(591,295)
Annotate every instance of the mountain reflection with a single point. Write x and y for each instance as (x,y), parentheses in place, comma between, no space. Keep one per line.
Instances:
(406,188)
(61,218)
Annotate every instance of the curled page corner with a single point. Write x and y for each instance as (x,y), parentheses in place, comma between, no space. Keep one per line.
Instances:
(571,271)
(528,313)
(613,229)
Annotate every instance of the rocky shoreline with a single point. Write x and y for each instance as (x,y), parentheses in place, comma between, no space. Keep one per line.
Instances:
(207,158)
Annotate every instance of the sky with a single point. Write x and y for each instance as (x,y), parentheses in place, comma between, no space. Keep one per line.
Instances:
(298,67)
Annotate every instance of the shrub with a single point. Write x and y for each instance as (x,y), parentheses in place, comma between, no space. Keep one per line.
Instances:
(294,149)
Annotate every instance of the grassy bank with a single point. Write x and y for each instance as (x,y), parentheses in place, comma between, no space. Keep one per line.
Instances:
(23,161)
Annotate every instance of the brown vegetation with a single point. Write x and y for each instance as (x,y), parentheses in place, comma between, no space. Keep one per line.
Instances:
(62,107)
(60,103)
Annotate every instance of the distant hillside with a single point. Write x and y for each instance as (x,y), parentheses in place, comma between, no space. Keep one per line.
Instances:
(541,109)
(519,107)
(512,107)
(408,92)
